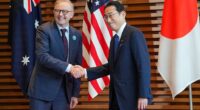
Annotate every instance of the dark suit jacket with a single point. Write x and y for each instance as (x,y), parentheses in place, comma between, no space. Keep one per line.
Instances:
(129,71)
(49,70)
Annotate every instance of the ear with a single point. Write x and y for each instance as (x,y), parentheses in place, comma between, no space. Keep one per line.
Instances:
(71,14)
(123,13)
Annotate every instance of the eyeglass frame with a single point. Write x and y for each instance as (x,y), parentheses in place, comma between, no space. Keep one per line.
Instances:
(111,15)
(64,12)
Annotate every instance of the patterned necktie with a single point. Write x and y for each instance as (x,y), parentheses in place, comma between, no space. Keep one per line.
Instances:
(116,43)
(65,42)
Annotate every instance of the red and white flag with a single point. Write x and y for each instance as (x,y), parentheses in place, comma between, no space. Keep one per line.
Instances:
(96,42)
(27,5)
(179,51)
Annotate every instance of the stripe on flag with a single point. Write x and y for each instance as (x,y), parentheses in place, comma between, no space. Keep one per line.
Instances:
(96,40)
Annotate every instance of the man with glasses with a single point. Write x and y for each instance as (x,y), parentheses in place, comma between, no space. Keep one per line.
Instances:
(58,48)
(128,64)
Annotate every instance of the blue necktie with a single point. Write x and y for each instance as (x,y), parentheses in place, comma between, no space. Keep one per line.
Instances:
(116,43)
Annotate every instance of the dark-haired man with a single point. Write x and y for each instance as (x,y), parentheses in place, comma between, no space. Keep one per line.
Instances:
(128,64)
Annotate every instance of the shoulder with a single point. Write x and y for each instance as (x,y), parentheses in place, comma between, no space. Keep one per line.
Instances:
(133,29)
(75,31)
(46,26)
(134,34)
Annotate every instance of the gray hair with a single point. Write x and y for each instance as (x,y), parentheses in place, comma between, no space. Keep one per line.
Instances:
(68,1)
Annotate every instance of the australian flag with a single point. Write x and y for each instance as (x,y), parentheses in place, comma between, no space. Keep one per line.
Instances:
(24,19)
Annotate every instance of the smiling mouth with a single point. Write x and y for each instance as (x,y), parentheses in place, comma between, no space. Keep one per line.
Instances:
(112,24)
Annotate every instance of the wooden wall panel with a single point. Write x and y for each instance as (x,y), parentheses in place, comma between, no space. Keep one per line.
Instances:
(144,14)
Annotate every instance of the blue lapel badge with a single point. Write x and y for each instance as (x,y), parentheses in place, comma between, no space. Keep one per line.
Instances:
(74,37)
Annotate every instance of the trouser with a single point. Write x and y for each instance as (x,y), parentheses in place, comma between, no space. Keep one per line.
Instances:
(59,103)
(114,103)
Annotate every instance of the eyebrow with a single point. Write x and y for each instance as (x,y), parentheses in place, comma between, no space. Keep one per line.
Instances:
(110,12)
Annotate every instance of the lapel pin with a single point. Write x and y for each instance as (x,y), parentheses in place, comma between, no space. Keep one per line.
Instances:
(121,41)
(74,37)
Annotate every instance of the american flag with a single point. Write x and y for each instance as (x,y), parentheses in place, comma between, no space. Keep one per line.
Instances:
(96,43)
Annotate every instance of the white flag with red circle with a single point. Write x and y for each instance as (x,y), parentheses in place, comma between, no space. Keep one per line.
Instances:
(179,51)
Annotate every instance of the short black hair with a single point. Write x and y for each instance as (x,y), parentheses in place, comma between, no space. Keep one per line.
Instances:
(119,7)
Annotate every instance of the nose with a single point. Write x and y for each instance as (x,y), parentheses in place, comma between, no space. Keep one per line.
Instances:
(60,13)
(108,20)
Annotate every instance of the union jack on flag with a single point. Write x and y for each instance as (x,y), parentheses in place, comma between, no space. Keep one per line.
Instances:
(96,42)
(28,6)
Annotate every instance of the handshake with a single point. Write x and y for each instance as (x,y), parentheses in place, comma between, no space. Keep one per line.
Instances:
(77,71)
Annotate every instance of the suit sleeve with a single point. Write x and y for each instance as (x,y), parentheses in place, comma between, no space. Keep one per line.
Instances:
(97,72)
(141,57)
(42,52)
(76,82)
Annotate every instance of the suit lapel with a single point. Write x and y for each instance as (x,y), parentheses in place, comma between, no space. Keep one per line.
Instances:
(111,53)
(121,42)
(72,38)
(56,34)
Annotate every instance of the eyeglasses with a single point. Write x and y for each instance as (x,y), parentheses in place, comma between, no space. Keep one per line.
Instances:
(64,12)
(109,16)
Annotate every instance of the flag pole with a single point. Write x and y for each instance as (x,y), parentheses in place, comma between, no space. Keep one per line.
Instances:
(190,96)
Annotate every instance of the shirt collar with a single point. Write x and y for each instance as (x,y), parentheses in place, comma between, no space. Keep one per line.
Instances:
(119,32)
(67,27)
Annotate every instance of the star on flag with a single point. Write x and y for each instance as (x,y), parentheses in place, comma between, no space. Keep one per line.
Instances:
(25,60)
(97,3)
(36,23)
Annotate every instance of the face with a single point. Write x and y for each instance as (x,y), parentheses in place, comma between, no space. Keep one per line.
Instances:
(114,18)
(63,12)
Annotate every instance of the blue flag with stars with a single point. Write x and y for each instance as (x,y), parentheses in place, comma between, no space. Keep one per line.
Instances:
(24,18)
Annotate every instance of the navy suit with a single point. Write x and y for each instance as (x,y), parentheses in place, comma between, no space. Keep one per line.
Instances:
(129,70)
(49,72)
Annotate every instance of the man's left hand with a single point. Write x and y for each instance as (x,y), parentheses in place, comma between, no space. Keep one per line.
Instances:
(142,103)
(74,102)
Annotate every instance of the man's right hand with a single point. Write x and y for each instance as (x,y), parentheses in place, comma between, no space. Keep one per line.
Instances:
(77,71)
